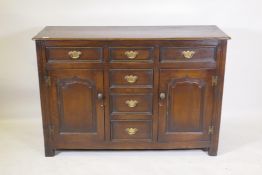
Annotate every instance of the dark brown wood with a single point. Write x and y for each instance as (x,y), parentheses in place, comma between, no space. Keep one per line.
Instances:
(84,100)
(218,94)
(118,54)
(89,54)
(131,32)
(186,111)
(118,78)
(75,104)
(119,130)
(44,95)
(119,103)
(174,54)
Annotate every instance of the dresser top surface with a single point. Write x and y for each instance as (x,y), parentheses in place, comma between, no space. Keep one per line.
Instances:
(131,33)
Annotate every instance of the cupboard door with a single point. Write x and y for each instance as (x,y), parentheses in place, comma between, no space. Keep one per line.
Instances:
(77,106)
(185,105)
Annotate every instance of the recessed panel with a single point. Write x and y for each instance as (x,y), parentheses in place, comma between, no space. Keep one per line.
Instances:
(186,98)
(76,105)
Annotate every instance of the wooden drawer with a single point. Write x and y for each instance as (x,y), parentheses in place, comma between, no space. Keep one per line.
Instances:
(187,54)
(131,103)
(131,130)
(131,77)
(131,54)
(130,117)
(89,54)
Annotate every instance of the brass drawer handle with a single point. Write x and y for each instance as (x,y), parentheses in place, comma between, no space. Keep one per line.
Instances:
(131,78)
(131,54)
(74,54)
(188,54)
(131,131)
(131,103)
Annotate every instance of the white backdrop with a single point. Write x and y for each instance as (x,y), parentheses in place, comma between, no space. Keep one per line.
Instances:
(21,20)
(20,117)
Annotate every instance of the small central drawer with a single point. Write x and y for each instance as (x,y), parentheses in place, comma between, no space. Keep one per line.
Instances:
(131,130)
(131,103)
(88,54)
(131,78)
(131,54)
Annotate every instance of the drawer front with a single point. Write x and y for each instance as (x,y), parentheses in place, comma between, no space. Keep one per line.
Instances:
(131,77)
(131,54)
(131,103)
(90,54)
(131,130)
(131,117)
(187,54)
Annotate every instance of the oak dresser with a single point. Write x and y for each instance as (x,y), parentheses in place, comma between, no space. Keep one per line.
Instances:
(155,87)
